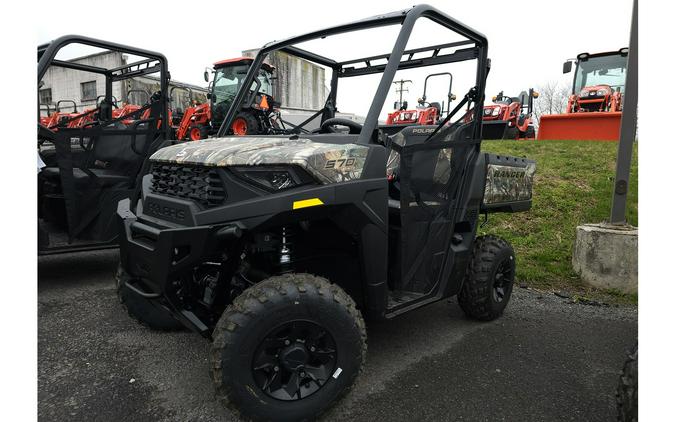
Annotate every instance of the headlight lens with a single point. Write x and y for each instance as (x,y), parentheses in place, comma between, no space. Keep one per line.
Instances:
(584,93)
(601,92)
(495,111)
(487,111)
(273,179)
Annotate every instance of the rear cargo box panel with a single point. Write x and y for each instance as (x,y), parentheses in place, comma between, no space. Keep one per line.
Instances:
(508,183)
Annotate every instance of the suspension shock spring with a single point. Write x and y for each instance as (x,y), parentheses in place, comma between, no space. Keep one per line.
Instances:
(286,247)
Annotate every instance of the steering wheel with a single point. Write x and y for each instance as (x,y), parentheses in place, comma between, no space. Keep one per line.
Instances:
(354,128)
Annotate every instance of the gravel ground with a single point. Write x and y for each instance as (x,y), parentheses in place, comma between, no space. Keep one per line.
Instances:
(545,359)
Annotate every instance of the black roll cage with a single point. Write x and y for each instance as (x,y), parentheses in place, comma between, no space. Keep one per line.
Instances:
(399,58)
(152,62)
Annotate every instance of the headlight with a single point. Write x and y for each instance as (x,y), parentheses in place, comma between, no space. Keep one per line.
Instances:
(495,111)
(487,111)
(584,93)
(601,92)
(273,178)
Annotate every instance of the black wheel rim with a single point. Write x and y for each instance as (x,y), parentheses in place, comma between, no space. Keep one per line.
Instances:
(294,361)
(503,280)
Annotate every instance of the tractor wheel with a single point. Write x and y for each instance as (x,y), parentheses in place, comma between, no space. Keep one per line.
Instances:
(627,392)
(141,309)
(489,280)
(287,348)
(245,124)
(510,133)
(198,133)
(530,133)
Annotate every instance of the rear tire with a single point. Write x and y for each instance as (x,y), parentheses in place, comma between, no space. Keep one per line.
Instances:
(489,280)
(290,324)
(245,124)
(141,309)
(627,392)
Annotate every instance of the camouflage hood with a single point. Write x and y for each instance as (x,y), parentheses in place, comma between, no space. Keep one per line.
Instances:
(328,163)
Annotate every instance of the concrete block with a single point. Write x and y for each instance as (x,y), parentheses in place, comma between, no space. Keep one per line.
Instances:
(606,256)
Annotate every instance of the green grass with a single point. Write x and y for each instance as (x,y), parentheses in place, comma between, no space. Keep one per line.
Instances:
(572,186)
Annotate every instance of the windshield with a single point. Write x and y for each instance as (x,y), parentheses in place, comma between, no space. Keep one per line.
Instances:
(603,70)
(227,81)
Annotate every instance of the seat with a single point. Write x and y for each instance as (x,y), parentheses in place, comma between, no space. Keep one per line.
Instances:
(107,178)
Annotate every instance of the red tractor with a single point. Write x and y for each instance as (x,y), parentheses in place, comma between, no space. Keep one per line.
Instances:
(594,107)
(509,117)
(259,116)
(425,113)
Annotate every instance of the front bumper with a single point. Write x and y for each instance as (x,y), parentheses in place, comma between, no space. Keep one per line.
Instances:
(154,256)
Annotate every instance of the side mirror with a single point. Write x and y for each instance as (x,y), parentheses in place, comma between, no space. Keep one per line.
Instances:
(396,103)
(567,67)
(208,95)
(206,75)
(404,106)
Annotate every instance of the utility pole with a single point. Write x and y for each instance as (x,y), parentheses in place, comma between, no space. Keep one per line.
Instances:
(400,90)
(628,127)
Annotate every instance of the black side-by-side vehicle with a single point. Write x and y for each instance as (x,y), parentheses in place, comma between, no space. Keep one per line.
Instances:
(276,247)
(93,157)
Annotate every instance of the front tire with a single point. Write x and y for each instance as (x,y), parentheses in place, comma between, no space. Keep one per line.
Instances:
(287,348)
(489,280)
(530,134)
(197,133)
(510,133)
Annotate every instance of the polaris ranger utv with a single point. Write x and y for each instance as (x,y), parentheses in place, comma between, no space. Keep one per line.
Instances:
(276,247)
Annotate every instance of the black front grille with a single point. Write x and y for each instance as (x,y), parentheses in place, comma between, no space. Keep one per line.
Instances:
(196,183)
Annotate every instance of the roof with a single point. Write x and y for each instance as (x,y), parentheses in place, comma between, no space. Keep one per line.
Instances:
(233,61)
(240,60)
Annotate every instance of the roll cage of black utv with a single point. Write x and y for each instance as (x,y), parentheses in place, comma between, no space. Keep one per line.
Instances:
(94,158)
(398,59)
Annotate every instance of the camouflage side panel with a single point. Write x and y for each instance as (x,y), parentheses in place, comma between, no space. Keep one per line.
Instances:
(504,183)
(328,163)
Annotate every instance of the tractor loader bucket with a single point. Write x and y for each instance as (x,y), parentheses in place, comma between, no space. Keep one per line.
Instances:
(495,129)
(591,126)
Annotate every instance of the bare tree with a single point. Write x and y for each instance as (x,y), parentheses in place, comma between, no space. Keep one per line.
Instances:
(552,99)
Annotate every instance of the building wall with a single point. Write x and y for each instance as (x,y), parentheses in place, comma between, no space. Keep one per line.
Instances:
(299,84)
(66,84)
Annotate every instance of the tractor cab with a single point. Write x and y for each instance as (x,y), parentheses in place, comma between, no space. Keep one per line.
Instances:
(258,116)
(228,77)
(599,81)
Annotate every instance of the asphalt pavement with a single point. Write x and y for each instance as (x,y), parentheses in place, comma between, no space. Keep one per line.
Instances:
(545,360)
